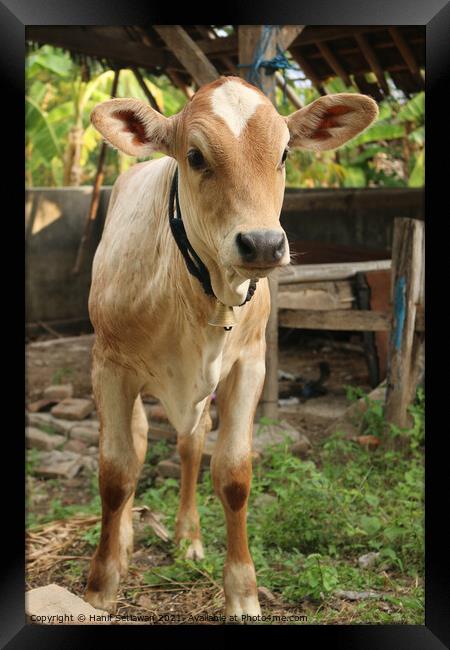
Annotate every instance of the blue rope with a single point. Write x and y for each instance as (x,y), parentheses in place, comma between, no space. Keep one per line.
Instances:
(278,62)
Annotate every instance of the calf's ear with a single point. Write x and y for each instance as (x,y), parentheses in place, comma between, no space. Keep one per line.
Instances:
(330,121)
(134,127)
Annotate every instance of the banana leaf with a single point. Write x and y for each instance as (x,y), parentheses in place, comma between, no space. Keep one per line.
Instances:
(417,177)
(40,132)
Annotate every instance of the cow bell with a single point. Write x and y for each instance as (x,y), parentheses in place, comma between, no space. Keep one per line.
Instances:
(222,316)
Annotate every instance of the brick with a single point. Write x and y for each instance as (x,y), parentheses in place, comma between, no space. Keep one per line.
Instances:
(73,409)
(86,432)
(59,392)
(169,469)
(41,405)
(78,446)
(37,439)
(162,432)
(46,419)
(58,464)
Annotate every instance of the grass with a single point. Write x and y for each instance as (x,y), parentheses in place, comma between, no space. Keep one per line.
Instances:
(320,516)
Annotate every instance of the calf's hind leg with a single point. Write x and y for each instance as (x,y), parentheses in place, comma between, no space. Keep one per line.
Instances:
(120,461)
(190,448)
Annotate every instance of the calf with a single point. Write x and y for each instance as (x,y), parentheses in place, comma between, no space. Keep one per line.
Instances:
(158,277)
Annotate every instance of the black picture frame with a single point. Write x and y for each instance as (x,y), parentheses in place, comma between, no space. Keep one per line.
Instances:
(15,15)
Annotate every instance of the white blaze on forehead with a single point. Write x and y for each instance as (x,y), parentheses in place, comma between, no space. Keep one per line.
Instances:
(235,103)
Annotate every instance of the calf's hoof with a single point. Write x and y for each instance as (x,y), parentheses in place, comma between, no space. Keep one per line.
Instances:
(195,550)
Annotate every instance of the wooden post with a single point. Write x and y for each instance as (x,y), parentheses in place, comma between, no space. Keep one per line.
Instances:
(248,37)
(95,198)
(407,274)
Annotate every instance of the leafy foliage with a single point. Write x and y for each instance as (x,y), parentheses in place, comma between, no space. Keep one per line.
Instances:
(62,147)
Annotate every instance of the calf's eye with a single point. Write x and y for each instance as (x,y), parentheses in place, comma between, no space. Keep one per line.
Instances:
(196,159)
(284,156)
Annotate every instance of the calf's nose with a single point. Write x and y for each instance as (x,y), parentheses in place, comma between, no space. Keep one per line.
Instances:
(263,247)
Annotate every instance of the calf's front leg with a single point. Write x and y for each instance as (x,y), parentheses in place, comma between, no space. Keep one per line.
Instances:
(231,468)
(122,451)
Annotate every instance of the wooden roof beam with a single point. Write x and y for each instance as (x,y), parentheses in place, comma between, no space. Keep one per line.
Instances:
(372,60)
(309,71)
(121,51)
(177,81)
(407,55)
(334,64)
(188,53)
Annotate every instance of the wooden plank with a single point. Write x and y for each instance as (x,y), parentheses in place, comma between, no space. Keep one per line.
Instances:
(372,60)
(337,319)
(407,265)
(342,271)
(342,319)
(316,295)
(188,53)
(407,54)
(123,51)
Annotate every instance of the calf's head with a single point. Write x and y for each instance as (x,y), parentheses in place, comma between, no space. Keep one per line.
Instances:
(231,145)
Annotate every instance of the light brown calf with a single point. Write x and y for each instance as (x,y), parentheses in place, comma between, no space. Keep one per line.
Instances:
(151,316)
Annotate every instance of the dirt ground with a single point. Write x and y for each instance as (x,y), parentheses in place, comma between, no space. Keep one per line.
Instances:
(68,360)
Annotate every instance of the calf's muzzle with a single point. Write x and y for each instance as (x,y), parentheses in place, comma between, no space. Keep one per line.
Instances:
(261,247)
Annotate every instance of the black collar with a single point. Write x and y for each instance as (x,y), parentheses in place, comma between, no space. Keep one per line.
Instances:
(194,264)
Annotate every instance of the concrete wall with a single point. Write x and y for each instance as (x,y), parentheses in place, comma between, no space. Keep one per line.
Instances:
(55,220)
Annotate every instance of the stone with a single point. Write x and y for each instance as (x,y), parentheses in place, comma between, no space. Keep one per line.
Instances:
(86,432)
(58,464)
(37,439)
(92,451)
(368,560)
(208,449)
(73,409)
(156,413)
(265,595)
(356,595)
(264,500)
(169,469)
(78,446)
(90,463)
(302,448)
(41,405)
(59,392)
(350,422)
(266,435)
(324,409)
(54,605)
